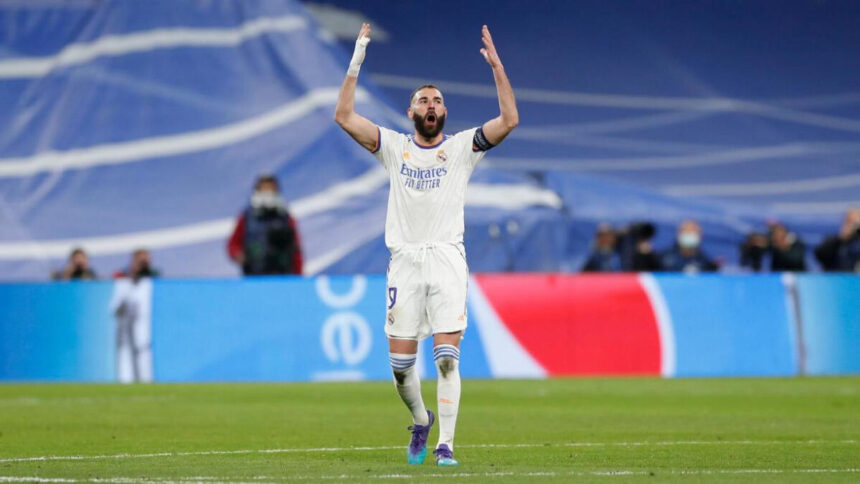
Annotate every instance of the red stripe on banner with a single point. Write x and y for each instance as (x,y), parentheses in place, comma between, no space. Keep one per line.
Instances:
(579,325)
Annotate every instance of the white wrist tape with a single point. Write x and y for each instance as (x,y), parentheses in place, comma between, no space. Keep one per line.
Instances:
(357,56)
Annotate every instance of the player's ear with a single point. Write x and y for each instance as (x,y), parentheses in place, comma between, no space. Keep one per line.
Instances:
(409,112)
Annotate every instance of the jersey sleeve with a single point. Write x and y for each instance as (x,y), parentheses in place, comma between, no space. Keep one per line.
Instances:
(470,152)
(387,145)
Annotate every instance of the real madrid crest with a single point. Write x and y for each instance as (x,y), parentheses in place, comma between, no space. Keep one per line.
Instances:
(441,157)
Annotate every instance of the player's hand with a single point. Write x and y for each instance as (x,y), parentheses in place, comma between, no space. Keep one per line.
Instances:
(363,35)
(358,54)
(362,41)
(489,49)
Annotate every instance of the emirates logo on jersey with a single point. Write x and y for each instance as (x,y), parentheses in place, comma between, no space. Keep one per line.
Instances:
(441,156)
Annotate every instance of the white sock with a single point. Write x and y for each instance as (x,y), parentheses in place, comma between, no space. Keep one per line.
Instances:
(409,386)
(448,392)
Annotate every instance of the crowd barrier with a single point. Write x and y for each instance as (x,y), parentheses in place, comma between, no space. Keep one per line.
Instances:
(520,326)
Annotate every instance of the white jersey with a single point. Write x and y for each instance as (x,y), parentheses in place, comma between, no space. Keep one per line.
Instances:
(428,187)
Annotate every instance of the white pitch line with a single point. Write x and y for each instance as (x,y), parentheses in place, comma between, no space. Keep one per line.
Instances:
(46,458)
(607,473)
(445,475)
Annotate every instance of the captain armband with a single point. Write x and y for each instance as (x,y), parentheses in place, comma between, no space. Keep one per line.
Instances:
(480,142)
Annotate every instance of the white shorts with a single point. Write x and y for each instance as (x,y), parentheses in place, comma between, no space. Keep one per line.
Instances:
(426,292)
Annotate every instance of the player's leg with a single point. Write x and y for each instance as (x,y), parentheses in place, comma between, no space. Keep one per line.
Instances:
(405,303)
(447,308)
(446,353)
(402,354)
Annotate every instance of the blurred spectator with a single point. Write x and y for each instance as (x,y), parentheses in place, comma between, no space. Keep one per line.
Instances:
(779,250)
(265,240)
(132,308)
(77,268)
(754,250)
(604,255)
(788,252)
(686,254)
(140,267)
(841,252)
(637,252)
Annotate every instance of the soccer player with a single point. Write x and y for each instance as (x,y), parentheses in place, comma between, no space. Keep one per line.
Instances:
(427,273)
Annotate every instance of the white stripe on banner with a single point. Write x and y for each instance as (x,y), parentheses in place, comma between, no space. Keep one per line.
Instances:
(162,146)
(505,356)
(763,188)
(119,244)
(510,197)
(665,329)
(118,45)
(815,208)
(628,101)
(504,196)
(195,233)
(332,197)
(715,158)
(323,261)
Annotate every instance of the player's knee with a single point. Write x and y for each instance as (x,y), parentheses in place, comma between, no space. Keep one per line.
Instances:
(447,357)
(399,376)
(401,365)
(446,365)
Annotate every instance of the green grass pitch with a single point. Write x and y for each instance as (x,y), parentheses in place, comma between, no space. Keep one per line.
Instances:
(560,430)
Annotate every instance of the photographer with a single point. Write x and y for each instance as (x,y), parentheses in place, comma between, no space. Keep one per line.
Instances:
(788,253)
(265,240)
(841,252)
(637,252)
(785,251)
(604,255)
(140,267)
(754,250)
(78,267)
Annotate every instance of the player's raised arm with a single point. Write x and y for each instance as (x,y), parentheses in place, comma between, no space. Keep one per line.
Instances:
(360,128)
(497,128)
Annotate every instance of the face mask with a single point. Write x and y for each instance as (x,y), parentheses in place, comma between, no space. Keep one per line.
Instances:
(264,200)
(689,240)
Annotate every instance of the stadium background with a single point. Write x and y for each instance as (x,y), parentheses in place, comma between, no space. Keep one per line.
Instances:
(123,129)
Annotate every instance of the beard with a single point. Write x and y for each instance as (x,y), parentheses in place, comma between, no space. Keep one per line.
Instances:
(428,132)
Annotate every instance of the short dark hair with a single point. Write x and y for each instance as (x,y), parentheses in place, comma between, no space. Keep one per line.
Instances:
(267,179)
(425,86)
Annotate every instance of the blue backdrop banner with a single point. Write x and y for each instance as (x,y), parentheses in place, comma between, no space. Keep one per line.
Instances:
(331,328)
(60,331)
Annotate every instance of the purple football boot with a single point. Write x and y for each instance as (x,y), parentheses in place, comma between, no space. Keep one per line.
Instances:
(445,456)
(418,445)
